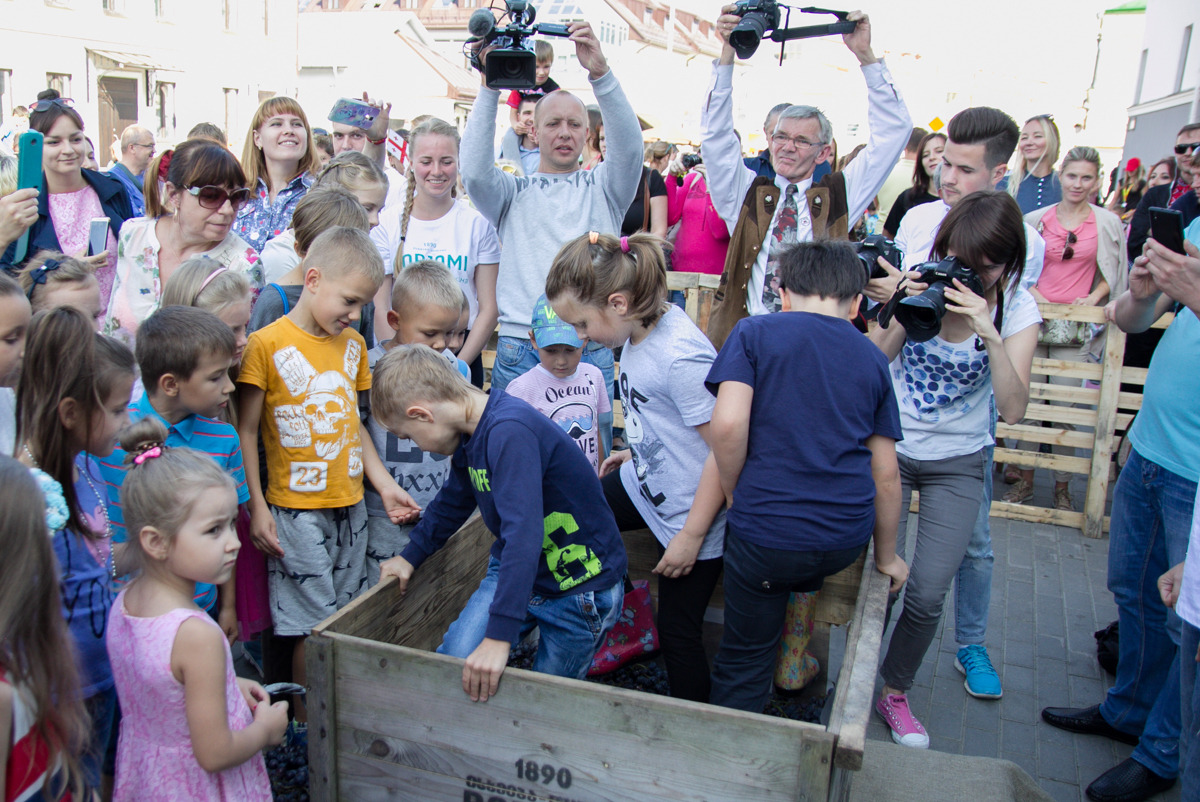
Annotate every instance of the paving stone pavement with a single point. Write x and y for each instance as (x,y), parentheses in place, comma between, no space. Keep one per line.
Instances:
(1049,595)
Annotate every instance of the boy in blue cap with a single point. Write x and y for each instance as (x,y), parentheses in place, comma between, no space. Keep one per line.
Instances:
(569,392)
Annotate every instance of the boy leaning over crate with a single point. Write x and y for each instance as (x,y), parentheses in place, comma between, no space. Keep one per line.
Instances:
(300,379)
(558,561)
(804,434)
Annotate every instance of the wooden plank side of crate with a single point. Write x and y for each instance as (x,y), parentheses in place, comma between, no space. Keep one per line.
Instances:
(855,694)
(1039,434)
(437,594)
(319,657)
(405,724)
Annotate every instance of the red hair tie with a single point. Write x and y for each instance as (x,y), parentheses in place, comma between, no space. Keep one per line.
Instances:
(624,244)
(164,164)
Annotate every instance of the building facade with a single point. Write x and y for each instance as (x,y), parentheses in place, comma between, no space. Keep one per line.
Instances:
(1167,91)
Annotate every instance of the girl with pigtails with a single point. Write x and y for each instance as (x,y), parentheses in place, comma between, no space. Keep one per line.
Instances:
(434,224)
(614,290)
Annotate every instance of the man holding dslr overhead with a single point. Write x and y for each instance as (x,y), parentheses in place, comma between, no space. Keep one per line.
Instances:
(764,216)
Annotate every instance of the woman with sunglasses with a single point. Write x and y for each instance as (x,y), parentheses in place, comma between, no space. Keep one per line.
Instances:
(281,163)
(192,215)
(73,196)
(1032,180)
(1084,265)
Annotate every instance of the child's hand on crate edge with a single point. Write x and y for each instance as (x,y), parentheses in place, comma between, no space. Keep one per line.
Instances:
(398,567)
(481,674)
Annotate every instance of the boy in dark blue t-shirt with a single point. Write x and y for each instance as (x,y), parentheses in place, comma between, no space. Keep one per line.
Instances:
(558,561)
(804,435)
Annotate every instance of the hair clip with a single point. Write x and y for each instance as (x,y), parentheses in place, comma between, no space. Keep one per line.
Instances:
(39,273)
(149,453)
(624,244)
(164,164)
(211,276)
(593,237)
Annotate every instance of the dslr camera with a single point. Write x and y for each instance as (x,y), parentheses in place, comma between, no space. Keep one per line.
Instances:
(511,64)
(921,315)
(874,246)
(761,20)
(691,160)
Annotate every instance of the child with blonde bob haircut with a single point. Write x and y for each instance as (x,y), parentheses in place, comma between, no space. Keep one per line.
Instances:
(558,561)
(188,723)
(208,285)
(55,279)
(614,291)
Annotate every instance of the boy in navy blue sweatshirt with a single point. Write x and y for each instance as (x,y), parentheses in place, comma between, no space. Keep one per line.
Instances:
(558,561)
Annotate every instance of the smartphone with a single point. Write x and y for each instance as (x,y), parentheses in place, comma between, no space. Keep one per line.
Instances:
(1166,227)
(29,176)
(353,112)
(97,235)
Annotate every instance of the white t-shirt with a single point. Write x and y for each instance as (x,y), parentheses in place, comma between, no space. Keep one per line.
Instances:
(944,389)
(459,239)
(663,398)
(1188,606)
(279,256)
(396,188)
(8,420)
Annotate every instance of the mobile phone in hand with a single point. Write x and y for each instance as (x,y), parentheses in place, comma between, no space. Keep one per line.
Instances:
(1166,227)
(29,176)
(353,112)
(97,235)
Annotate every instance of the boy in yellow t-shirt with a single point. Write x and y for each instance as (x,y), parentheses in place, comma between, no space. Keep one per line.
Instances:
(300,378)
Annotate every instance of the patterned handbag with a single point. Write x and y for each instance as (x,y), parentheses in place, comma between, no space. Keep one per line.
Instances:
(633,637)
(795,667)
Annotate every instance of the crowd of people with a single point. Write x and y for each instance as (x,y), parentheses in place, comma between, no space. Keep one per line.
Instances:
(262,391)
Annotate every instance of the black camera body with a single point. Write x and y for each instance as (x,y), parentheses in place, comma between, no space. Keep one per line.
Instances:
(758,18)
(873,247)
(691,160)
(511,63)
(921,315)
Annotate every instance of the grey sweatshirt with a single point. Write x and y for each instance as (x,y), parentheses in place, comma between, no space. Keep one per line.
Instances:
(536,215)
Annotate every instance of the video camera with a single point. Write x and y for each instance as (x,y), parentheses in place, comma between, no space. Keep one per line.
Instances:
(921,315)
(512,63)
(761,17)
(874,246)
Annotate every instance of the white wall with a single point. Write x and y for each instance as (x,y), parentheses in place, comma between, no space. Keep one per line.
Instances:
(1165,23)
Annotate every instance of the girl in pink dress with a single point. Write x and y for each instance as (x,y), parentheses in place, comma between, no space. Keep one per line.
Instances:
(190,728)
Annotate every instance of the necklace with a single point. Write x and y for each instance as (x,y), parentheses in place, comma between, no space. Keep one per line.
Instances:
(112,557)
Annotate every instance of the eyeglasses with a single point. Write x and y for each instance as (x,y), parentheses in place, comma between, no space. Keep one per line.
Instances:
(153,146)
(1186,147)
(44,105)
(1069,251)
(213,197)
(797,141)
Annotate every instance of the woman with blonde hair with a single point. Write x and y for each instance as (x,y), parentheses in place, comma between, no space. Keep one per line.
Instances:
(1084,265)
(1032,180)
(280,159)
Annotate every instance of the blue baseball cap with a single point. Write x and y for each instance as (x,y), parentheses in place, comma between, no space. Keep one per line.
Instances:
(549,329)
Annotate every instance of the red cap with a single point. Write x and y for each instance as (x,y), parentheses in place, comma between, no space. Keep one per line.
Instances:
(1133,164)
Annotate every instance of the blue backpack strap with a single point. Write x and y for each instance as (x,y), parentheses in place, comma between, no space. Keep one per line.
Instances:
(283,297)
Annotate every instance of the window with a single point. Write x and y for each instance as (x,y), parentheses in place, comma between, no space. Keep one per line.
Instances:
(1181,72)
(231,103)
(1137,92)
(6,94)
(229,11)
(59,81)
(164,107)
(160,9)
(114,6)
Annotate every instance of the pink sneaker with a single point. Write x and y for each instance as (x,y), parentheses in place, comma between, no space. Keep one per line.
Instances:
(906,730)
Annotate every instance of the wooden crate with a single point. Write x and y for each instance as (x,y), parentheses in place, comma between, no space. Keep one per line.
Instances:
(388,718)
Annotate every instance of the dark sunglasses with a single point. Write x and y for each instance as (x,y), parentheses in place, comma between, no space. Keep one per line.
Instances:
(1069,251)
(1186,147)
(44,105)
(213,197)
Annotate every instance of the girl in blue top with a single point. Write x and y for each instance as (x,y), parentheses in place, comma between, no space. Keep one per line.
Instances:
(944,386)
(68,413)
(614,291)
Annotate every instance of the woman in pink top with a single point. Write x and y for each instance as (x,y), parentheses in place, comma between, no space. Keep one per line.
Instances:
(72,196)
(1084,265)
(702,238)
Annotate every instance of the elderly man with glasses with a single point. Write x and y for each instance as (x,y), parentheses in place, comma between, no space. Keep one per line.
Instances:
(137,149)
(765,216)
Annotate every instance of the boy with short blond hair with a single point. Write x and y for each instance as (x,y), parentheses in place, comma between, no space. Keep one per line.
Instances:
(426,305)
(300,381)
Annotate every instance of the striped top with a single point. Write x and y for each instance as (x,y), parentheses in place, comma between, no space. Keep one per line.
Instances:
(29,773)
(213,437)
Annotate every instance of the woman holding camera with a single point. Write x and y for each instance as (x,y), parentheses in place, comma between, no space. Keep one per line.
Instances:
(945,386)
(1084,265)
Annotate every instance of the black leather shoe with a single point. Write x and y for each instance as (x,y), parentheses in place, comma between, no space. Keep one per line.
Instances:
(1128,781)
(1086,720)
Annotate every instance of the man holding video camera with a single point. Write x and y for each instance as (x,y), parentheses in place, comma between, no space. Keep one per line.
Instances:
(763,215)
(537,214)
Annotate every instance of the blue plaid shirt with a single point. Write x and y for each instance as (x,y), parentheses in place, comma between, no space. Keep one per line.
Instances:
(261,219)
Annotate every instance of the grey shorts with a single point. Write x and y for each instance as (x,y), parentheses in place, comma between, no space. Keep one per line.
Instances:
(322,569)
(385,540)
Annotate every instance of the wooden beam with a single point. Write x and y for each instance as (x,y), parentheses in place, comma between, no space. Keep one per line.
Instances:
(1035,459)
(1042,434)
(1106,422)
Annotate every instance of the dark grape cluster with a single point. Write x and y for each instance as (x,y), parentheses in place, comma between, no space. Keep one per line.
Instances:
(287,766)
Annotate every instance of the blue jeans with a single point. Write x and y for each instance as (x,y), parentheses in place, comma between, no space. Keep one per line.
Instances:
(758,582)
(516,356)
(572,626)
(1189,734)
(102,709)
(1151,521)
